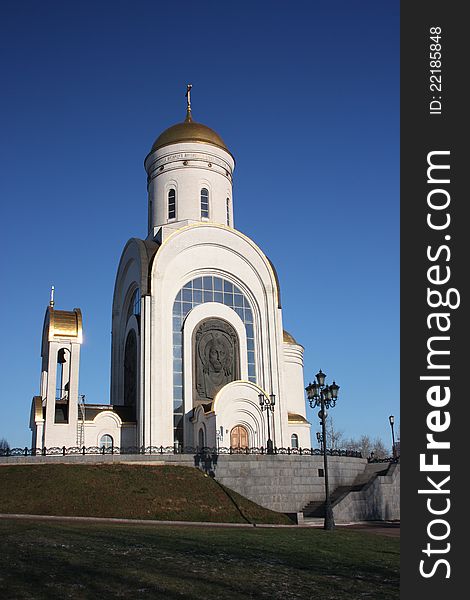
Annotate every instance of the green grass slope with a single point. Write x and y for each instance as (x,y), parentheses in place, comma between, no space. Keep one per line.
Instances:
(80,561)
(125,491)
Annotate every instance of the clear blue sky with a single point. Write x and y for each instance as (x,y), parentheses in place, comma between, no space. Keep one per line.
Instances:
(306,96)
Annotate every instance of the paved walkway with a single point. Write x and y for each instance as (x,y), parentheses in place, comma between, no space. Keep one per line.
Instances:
(391,528)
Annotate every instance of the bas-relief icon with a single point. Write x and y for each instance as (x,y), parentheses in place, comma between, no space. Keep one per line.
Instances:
(216,352)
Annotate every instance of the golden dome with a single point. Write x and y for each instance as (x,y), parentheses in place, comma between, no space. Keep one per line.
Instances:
(287,337)
(189,131)
(65,324)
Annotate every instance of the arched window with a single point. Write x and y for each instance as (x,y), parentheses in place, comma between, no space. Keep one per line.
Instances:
(172,204)
(294,441)
(106,442)
(228,211)
(134,305)
(130,370)
(205,203)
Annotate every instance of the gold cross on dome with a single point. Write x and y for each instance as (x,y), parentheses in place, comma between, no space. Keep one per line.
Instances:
(188,95)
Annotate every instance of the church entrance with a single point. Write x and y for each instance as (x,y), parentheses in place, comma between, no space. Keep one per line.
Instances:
(239,437)
(201,443)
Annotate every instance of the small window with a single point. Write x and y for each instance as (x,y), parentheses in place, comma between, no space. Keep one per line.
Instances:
(172,204)
(134,305)
(294,441)
(205,203)
(228,212)
(106,442)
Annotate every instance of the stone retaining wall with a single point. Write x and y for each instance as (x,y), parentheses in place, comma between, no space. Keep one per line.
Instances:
(377,501)
(284,483)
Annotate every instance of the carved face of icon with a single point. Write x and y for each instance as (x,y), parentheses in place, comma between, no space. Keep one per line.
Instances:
(217,357)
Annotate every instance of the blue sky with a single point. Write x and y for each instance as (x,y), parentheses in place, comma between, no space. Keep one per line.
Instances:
(305,95)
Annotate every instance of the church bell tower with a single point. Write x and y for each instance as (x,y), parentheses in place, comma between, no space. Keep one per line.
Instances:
(54,414)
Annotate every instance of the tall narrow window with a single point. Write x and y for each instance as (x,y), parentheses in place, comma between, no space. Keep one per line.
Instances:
(172,204)
(205,203)
(228,212)
(134,305)
(136,302)
(130,372)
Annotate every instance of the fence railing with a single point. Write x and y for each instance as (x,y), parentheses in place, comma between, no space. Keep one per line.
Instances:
(161,450)
(386,459)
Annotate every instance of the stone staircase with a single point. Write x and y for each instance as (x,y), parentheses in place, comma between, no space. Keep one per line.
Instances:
(316,509)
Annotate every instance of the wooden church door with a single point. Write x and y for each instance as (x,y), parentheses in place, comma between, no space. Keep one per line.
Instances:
(239,437)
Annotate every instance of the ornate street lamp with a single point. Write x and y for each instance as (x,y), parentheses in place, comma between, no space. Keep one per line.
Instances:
(267,403)
(320,440)
(324,396)
(391,418)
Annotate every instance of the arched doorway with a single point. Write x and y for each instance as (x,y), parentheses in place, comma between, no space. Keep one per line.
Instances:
(239,437)
(201,441)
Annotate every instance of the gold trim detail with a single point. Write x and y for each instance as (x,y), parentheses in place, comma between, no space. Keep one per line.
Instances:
(65,324)
(297,419)
(38,412)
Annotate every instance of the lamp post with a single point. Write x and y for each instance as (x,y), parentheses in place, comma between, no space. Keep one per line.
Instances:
(391,418)
(267,403)
(320,440)
(324,396)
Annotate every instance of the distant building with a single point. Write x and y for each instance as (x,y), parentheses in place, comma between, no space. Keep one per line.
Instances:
(197,329)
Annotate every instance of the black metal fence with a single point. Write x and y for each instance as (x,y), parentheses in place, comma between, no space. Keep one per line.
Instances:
(161,450)
(386,459)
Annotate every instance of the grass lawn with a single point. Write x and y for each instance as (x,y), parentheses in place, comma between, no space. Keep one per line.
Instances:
(94,561)
(165,493)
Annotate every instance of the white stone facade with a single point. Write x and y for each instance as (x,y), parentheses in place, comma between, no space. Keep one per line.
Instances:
(194,269)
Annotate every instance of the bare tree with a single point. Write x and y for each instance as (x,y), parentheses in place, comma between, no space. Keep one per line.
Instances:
(334,437)
(366,446)
(4,446)
(379,449)
(362,445)
(336,440)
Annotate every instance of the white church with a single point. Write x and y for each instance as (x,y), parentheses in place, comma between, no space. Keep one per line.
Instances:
(199,356)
